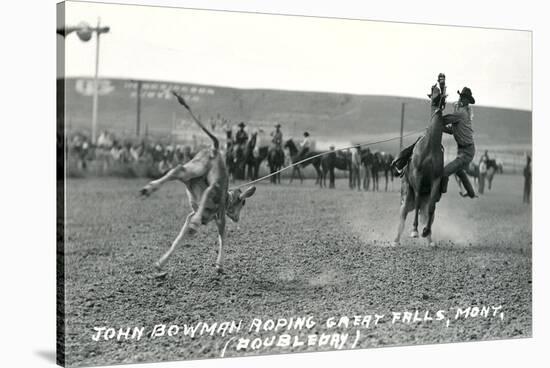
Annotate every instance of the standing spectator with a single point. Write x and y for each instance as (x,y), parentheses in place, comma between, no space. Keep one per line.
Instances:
(134,153)
(482,174)
(104,141)
(116,151)
(332,158)
(85,150)
(355,169)
(527,172)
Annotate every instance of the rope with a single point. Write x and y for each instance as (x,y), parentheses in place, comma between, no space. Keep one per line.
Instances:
(325,153)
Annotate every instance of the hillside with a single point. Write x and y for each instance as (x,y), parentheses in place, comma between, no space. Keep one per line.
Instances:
(329,117)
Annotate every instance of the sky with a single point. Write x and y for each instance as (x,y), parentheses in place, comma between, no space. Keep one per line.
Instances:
(262,51)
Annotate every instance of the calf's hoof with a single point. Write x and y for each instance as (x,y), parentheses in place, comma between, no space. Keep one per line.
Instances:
(414,234)
(147,190)
(157,266)
(159,272)
(394,243)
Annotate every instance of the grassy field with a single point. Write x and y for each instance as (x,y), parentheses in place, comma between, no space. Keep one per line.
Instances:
(298,251)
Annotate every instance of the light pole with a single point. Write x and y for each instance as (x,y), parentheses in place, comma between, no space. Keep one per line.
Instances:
(138,107)
(84,32)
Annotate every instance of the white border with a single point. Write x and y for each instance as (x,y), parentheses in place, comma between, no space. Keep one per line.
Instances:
(28,185)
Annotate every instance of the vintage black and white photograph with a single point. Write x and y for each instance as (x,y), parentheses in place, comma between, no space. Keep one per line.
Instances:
(239,184)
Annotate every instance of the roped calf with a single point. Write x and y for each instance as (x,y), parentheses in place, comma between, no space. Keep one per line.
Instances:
(206,180)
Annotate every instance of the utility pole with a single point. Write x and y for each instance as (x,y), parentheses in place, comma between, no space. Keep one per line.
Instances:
(138,112)
(402,125)
(173,131)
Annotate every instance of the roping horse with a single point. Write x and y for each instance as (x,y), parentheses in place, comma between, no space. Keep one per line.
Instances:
(421,182)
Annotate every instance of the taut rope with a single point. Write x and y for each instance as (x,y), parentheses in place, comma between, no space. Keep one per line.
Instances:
(322,154)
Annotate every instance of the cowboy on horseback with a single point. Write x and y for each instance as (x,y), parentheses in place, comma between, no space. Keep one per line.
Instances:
(277,139)
(437,95)
(459,124)
(305,146)
(241,137)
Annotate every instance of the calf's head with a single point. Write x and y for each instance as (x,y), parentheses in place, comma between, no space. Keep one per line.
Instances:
(236,201)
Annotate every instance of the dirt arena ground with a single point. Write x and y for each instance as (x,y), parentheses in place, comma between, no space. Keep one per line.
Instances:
(298,251)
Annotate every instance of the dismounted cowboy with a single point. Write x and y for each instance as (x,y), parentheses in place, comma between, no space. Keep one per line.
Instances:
(459,124)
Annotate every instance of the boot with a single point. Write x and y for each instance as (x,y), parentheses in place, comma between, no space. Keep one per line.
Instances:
(402,159)
(397,166)
(444,184)
(470,192)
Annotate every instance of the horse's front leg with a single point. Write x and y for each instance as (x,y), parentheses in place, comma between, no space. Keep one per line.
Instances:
(414,232)
(407,202)
(434,196)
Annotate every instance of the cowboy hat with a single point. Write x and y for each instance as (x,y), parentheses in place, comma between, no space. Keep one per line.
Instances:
(467,94)
(306,134)
(277,125)
(242,124)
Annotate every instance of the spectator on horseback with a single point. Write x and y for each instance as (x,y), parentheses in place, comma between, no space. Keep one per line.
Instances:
(241,137)
(305,146)
(460,123)
(277,139)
